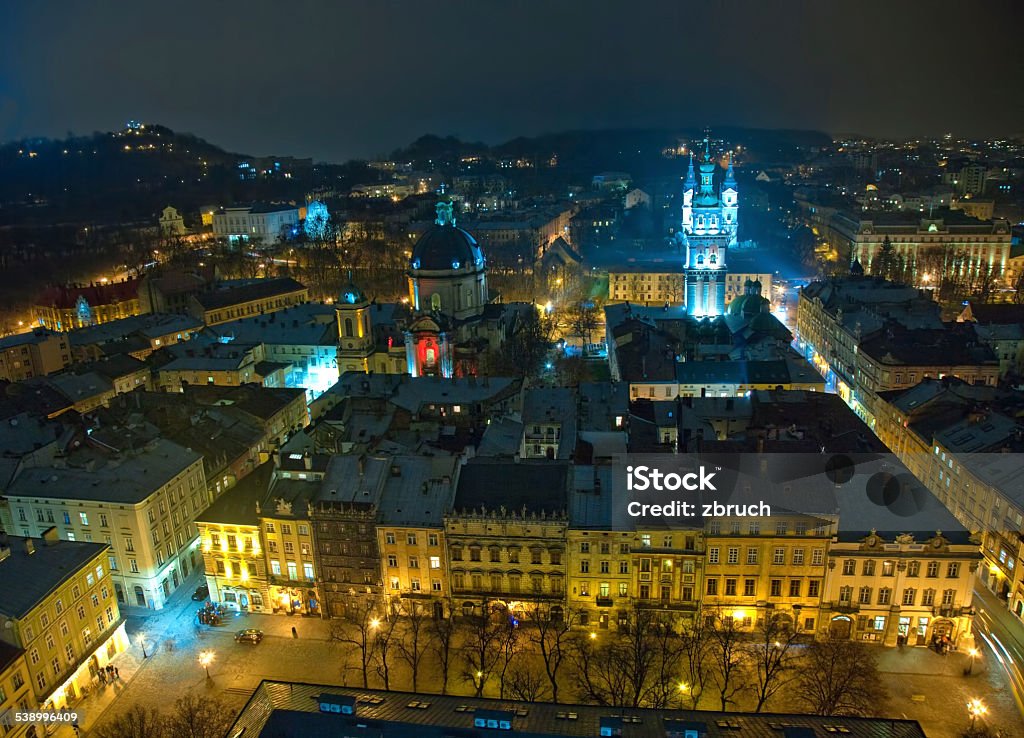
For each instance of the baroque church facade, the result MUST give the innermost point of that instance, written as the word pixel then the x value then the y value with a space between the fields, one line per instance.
pixel 451 321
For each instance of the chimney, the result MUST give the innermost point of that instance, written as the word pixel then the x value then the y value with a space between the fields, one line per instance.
pixel 307 460
pixel 51 536
pixel 30 546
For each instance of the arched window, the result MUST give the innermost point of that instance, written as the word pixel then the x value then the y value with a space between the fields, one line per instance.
pixel 435 302
pixel 348 326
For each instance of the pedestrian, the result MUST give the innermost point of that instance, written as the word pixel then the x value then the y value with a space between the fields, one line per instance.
pixel 103 676
pixel 295 633
pixel 117 673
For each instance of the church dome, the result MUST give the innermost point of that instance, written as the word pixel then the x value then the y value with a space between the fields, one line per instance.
pixel 445 247
pixel 750 303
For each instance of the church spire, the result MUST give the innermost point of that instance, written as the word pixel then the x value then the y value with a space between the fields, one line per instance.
pixel 691 178
pixel 730 177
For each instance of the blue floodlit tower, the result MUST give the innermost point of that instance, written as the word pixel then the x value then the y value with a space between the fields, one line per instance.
pixel 709 228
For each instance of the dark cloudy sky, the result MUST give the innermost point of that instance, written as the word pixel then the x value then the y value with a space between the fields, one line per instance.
pixel 338 78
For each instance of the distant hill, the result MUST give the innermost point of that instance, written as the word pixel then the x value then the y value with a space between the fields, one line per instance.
pixel 123 175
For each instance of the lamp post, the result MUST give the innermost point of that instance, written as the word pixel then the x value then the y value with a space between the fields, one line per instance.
pixel 205 659
pixel 976 708
pixel 142 642
pixel 973 653
pixel 684 689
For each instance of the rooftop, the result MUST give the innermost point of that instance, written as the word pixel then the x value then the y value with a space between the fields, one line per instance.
pixel 418 490
pixel 149 325
pixel 226 295
pixel 27 578
pixel 534 485
pixel 238 505
pixel 36 335
pixel 279 708
pixel 127 478
pixel 309 324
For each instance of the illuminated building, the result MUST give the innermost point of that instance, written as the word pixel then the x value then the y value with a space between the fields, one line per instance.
pixel 67 308
pixel 15 693
pixel 506 537
pixel 255 224
pixel 709 228
pixel 454 320
pixel 140 499
pixel 410 531
pixel 60 608
pixel 34 354
pixel 355 337
pixel 228 301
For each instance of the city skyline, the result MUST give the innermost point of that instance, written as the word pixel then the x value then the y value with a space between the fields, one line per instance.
pixel 348 81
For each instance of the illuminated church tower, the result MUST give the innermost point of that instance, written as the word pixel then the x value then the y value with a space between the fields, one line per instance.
pixel 708 230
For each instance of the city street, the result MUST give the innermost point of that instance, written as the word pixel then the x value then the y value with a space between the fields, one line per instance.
pixel 1000 640
pixel 920 684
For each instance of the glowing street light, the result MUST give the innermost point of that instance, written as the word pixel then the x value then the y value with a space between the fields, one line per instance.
pixel 375 623
pixel 973 653
pixel 205 659
pixel 593 636
pixel 976 708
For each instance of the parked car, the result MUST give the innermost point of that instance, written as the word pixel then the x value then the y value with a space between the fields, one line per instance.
pixel 201 593
pixel 252 635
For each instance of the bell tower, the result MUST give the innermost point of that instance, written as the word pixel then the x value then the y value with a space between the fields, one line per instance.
pixel 355 332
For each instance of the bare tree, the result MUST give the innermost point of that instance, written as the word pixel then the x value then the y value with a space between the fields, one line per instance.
pixel 838 676
pixel 198 717
pixel 772 656
pixel 415 638
pixel 696 662
pixel 597 673
pixel 726 648
pixel 510 643
pixel 443 630
pixel 552 637
pixel 137 722
pixel 525 684
pixel 385 643
pixel 668 646
pixel 583 319
pixel 483 647
pixel 358 629
pixel 637 653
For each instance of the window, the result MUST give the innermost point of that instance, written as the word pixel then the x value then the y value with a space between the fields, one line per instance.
pixel 410 539
pixel 414 562
pixel 584 566
pixel 749 587
pixel 605 567
pixel 754 528
pixel 286 529
pixel 845 594
pixel 914 569
pixel 270 529
pixel 888 568
pixel 435 585
pixel 933 569
pixel 84 517
pixel 817 556
pixel 535 556
pixel 432 539
pixel 623 567
pixel 798 557
pixel 775 588
pixel 884 596
pixel 712 586
pixel 293 570
pixel 928 598
pixel 879 622
pixel 275 567
pixel 730 587
pixel 734 555
pixel 435 562
pixel 779 556
pixel 307 571
pixel 864 596
pixel 623 589
pixel 953 570
pixel 781 528
pixel 392 560
pixel 869 568
pixel 909 595
pixel 751 555
pixel 947 596
pixel 584 547
pixel 713 555
pixel 303 530
pixel 813 588
pixel 395 583
pixel 794 587
pixel 389 538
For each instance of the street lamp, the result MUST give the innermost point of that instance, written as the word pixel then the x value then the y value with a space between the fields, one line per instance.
pixel 684 689
pixel 205 659
pixel 976 708
pixel 973 653
pixel 142 642
pixel 375 623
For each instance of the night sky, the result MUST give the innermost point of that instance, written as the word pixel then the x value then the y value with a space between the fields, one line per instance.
pixel 344 79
